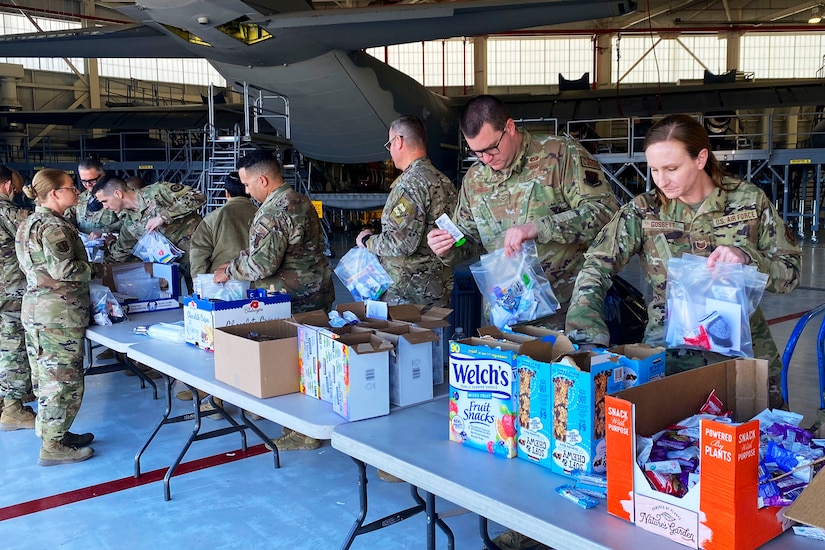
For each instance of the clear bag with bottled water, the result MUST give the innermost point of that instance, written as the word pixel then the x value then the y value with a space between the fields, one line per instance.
pixel 514 286
pixel 362 274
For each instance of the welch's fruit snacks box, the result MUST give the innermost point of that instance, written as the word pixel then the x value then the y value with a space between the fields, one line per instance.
pixel 481 395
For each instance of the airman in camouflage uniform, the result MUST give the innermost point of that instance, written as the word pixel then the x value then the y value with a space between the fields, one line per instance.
pixel 224 232
pixel 417 197
pixel 55 313
pixel 286 253
pixel 170 208
pixel 734 220
pixel 524 187
pixel 286 244
pixel 15 373
pixel 88 221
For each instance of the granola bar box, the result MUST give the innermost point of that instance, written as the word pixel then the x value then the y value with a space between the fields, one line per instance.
pixel 577 385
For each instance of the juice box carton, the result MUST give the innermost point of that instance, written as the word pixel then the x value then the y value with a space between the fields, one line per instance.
pixel 481 395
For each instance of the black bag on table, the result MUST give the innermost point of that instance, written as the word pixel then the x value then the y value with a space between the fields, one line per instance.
pixel 625 313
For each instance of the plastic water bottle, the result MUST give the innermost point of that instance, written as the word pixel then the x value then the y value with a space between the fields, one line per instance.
pixel 458 334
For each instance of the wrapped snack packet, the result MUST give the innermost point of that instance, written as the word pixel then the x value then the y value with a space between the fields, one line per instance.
pixel 573 495
pixel 713 405
pixel 664 467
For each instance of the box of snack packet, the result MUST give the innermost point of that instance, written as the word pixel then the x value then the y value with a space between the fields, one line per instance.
pixel 578 383
pixel 637 363
pixel 720 512
pixel 481 395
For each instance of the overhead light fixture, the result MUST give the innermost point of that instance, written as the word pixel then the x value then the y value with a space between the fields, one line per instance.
pixel 816 15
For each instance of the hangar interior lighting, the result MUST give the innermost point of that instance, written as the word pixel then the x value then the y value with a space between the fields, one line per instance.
pixel 816 15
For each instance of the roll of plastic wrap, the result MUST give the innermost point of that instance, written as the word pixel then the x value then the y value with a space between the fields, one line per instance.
pixel 167 331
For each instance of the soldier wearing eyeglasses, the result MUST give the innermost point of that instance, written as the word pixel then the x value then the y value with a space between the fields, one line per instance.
pixel 525 187
pixel 89 216
pixel 417 197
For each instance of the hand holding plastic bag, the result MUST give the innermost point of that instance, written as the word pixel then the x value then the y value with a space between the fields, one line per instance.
pixel 514 286
pixel 153 246
pixel 362 274
pixel 709 309
pixel 105 308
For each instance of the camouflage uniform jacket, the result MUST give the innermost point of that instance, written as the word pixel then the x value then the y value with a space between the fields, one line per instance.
pixel 221 235
pixel 12 279
pixel 103 220
pixel 417 197
pixel 286 251
pixel 554 183
pixel 177 204
pixel 53 258
pixel 739 215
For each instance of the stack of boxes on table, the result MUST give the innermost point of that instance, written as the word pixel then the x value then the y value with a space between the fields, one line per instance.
pixel 263 349
pixel 530 394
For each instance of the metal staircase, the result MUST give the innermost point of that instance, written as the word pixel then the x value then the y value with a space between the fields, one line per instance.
pixel 222 147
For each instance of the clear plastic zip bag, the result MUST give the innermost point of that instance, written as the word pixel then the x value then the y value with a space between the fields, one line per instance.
pixel 362 274
pixel 153 246
pixel 709 309
pixel 514 286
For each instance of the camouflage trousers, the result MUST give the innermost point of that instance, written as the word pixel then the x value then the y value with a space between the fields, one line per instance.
pixel 764 347
pixel 15 373
pixel 56 359
pixel 422 289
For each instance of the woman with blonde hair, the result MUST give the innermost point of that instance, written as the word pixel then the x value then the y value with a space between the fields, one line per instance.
pixel 55 314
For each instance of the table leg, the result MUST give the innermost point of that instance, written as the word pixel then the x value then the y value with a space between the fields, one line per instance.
pixel 163 421
pixel 485 536
pixel 422 505
pixel 257 431
pixel 195 435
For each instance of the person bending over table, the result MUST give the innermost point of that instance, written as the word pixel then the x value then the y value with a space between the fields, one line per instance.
pixel 220 237
pixel 286 252
pixel 696 209
pixel 525 187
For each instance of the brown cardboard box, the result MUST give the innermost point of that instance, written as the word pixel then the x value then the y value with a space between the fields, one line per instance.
pixel 720 512
pixel 261 368
pixel 809 507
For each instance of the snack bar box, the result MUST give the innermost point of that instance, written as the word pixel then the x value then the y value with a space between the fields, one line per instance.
pixel 720 512
pixel 169 284
pixel 434 319
pixel 411 363
pixel 636 363
pixel 561 412
pixel 202 317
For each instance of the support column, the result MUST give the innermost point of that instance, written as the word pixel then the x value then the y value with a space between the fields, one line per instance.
pixel 88 8
pixel 603 55
pixel 733 51
pixel 479 65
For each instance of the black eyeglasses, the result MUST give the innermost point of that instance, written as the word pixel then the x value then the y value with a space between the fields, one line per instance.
pixel 388 145
pixel 92 180
pixel 494 150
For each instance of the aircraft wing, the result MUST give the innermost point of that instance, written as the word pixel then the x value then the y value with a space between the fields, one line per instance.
pixel 298 32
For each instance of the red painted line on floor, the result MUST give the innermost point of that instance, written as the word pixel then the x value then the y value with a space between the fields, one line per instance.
pixel 85 493
pixel 784 318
